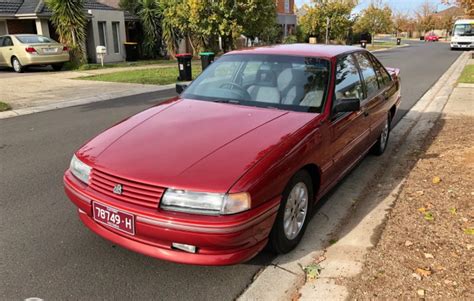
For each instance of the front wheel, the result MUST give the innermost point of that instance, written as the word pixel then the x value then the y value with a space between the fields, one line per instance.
pixel 293 214
pixel 381 144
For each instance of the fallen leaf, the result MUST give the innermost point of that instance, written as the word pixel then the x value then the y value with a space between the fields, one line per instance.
pixel 428 256
pixel 422 209
pixel 420 192
pixel 416 276
pixel 421 292
pixel 428 216
pixel 453 211
pixel 469 231
pixel 423 272
pixel 436 180
pixel 408 243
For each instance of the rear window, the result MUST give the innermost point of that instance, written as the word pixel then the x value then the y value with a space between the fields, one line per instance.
pixel 34 39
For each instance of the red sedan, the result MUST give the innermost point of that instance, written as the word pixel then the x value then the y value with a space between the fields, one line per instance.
pixel 240 158
pixel 431 37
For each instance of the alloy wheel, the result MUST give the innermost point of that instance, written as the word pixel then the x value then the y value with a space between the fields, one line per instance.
pixel 295 210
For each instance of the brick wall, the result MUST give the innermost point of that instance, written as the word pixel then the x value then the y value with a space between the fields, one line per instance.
pixel 280 4
pixel 21 26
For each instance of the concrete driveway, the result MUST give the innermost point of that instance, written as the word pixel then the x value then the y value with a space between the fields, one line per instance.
pixel 41 86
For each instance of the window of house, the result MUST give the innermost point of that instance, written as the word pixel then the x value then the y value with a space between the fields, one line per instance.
pixel 348 84
pixel 368 72
pixel 102 34
pixel 287 6
pixel 116 35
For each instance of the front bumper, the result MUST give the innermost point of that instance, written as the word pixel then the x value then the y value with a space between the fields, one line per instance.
pixel 462 46
pixel 220 240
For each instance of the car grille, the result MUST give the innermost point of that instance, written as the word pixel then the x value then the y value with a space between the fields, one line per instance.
pixel 132 192
pixel 464 43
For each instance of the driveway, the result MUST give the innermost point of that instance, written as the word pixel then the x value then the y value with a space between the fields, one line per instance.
pixel 41 86
pixel 46 252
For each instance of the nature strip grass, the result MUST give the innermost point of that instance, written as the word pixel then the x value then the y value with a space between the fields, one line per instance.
pixel 467 75
pixel 4 107
pixel 152 76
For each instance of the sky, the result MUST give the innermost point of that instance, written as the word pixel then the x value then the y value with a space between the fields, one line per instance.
pixel 406 6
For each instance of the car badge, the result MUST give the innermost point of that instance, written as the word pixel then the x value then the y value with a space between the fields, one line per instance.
pixel 118 189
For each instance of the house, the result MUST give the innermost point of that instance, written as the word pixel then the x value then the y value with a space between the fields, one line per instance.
pixel 286 16
pixel 105 27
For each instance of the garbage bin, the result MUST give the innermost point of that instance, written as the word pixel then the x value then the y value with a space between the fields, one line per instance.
pixel 422 38
pixel 131 51
pixel 363 43
pixel 207 58
pixel 399 41
pixel 184 65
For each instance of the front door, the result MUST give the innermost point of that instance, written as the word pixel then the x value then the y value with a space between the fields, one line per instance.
pixel 7 50
pixel 349 131
pixel 2 57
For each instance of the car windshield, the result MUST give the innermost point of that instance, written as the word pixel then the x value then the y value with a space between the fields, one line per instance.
pixel 463 30
pixel 278 81
pixel 34 39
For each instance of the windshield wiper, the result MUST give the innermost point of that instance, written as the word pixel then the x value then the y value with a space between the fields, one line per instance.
pixel 235 101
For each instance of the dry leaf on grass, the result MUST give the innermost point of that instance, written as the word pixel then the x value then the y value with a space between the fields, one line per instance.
pixel 423 272
pixel 436 180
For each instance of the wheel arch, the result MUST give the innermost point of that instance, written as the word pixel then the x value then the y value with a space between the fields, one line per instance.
pixel 315 173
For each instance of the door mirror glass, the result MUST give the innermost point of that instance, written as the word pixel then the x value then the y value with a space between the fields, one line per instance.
pixel 180 88
pixel 347 105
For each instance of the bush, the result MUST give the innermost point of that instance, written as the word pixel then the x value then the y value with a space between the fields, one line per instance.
pixel 291 39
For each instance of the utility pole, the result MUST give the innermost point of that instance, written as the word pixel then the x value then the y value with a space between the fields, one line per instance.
pixel 327 30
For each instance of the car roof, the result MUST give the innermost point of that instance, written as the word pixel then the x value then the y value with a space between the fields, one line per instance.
pixel 324 51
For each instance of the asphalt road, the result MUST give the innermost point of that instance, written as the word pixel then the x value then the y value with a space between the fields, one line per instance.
pixel 46 252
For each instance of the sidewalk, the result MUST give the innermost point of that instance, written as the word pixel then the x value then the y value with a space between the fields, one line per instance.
pixel 39 91
pixel 350 221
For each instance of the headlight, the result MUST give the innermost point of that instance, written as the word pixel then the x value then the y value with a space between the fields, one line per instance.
pixel 205 203
pixel 80 169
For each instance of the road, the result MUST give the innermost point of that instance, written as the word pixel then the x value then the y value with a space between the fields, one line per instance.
pixel 46 252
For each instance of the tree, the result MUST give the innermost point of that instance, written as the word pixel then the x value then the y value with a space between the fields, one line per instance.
pixel 424 17
pixel 375 19
pixel 256 16
pixel 69 18
pixel 468 6
pixel 402 22
pixel 314 21
pixel 150 14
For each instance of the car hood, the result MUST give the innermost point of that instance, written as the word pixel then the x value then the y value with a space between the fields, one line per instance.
pixel 191 144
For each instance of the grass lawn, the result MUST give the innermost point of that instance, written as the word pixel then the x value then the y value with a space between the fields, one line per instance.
pixel 124 64
pixel 4 107
pixel 381 45
pixel 467 75
pixel 152 76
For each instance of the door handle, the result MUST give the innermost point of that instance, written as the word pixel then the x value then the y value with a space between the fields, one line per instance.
pixel 10 49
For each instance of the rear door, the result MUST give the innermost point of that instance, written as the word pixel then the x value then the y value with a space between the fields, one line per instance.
pixel 349 131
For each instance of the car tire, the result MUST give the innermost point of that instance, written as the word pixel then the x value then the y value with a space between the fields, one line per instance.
pixel 17 66
pixel 293 215
pixel 381 144
pixel 57 67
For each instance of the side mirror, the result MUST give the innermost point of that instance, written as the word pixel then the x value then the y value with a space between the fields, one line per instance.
pixel 180 88
pixel 347 105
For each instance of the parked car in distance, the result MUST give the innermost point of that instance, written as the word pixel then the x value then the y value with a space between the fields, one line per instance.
pixel 431 37
pixel 240 158
pixel 23 50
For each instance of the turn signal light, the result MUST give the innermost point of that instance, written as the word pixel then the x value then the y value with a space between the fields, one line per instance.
pixel 30 50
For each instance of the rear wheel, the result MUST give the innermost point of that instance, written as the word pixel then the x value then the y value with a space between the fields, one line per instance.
pixel 57 67
pixel 293 215
pixel 381 144
pixel 17 66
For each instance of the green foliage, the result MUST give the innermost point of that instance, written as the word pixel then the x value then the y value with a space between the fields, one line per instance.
pixel 150 14
pixel 291 39
pixel 375 19
pixel 314 22
pixel 68 16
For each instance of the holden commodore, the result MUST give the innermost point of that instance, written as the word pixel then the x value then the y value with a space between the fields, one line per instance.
pixel 238 160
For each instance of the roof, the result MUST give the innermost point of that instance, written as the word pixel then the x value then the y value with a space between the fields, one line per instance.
pixel 326 51
pixel 39 7
pixel 450 11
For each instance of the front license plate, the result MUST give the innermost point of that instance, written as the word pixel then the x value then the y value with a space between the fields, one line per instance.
pixel 114 218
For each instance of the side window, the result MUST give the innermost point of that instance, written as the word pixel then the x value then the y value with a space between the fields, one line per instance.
pixel 368 73
pixel 7 42
pixel 1 41
pixel 348 84
pixel 382 74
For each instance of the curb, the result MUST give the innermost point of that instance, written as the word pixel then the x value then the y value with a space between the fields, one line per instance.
pixel 282 279
pixel 82 101
pixel 386 49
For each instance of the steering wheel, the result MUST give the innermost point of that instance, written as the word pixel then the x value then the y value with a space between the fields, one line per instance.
pixel 238 91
